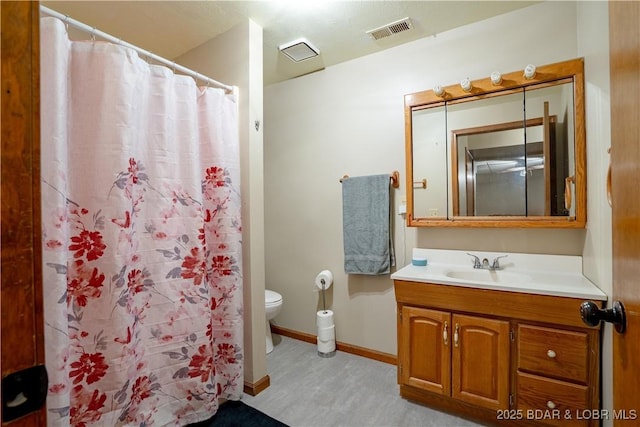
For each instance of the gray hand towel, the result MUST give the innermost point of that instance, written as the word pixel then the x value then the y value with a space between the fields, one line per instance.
pixel 366 225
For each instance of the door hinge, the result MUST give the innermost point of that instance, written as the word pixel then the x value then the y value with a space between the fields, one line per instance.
pixel 512 335
pixel 510 400
pixel 400 368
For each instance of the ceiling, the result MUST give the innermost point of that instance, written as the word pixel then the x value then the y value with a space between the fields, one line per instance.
pixel 337 28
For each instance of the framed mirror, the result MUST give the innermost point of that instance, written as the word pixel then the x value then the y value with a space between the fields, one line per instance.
pixel 499 155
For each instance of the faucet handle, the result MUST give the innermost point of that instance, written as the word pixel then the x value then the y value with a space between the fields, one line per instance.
pixel 476 261
pixel 496 263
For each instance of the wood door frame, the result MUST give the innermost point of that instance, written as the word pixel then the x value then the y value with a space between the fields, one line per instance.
pixel 624 44
pixel 21 289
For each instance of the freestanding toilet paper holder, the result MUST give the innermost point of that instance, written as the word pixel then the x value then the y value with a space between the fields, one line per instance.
pixel 326 332
pixel 324 303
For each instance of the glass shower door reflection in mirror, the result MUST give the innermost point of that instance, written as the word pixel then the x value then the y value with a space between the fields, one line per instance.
pixel 429 148
pixel 495 179
pixel 488 159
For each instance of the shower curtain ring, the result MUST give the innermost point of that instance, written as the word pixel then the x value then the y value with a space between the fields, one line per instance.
pixel 93 34
pixel 66 23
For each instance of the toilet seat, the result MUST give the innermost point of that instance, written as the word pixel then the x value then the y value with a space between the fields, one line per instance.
pixel 272 298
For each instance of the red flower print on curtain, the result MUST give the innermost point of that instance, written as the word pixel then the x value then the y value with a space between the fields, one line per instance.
pixel 141 239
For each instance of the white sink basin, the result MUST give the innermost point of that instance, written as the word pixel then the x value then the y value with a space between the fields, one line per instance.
pixel 489 276
pixel 556 275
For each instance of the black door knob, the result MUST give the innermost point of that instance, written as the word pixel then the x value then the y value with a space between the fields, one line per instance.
pixel 592 315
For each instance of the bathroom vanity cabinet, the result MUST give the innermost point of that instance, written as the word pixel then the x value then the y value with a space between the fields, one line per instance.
pixel 455 355
pixel 504 358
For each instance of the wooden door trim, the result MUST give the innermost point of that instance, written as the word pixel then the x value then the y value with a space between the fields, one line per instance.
pixel 624 43
pixel 21 288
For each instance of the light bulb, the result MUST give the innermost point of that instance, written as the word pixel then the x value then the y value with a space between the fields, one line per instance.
pixel 529 71
pixel 438 90
pixel 496 78
pixel 466 84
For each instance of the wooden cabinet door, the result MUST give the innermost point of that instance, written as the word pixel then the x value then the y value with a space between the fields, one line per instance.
pixel 425 356
pixel 480 361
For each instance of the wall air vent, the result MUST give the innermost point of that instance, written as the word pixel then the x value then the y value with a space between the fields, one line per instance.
pixel 391 29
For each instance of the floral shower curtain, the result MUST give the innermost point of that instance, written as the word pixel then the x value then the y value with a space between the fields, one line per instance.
pixel 142 238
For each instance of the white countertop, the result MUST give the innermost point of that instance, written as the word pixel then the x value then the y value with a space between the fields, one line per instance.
pixel 556 275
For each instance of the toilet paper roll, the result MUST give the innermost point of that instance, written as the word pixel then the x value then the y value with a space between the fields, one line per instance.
pixel 324 318
pixel 327 334
pixel 326 346
pixel 326 277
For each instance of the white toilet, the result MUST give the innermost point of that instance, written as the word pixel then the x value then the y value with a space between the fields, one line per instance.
pixel 272 305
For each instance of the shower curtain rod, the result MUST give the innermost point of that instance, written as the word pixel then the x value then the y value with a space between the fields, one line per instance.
pixel 171 64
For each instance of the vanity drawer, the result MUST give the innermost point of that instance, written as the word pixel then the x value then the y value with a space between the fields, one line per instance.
pixel 550 401
pixel 554 352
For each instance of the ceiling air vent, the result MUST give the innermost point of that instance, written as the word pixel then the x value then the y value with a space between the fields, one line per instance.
pixel 390 29
pixel 299 50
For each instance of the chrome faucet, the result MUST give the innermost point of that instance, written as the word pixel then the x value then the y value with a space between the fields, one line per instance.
pixel 476 261
pixel 496 263
pixel 484 264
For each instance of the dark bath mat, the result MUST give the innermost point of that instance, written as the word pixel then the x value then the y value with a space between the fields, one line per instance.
pixel 239 414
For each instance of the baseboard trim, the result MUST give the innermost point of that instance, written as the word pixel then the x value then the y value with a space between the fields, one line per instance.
pixel 253 389
pixel 340 346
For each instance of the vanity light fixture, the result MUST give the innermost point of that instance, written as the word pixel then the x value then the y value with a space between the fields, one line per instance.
pixel 438 90
pixel 466 84
pixel 496 78
pixel 529 71
pixel 299 50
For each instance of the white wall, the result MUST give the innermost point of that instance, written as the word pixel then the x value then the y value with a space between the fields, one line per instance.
pixel 593 45
pixel 348 119
pixel 235 58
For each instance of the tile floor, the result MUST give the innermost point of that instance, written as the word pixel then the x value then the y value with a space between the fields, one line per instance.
pixel 345 390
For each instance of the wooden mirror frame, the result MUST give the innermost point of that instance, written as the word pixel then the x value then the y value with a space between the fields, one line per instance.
pixel 572 69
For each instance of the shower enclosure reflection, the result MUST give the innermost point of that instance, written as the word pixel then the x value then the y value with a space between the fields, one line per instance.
pixel 495 172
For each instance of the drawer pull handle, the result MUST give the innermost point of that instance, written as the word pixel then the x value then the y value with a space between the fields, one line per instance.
pixel 456 336
pixel 551 354
pixel 445 334
pixel 551 405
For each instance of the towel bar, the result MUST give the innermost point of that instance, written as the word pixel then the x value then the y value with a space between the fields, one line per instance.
pixel 395 179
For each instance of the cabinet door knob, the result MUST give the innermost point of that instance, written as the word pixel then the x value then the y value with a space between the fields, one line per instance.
pixel 551 405
pixel 551 354
pixel 445 333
